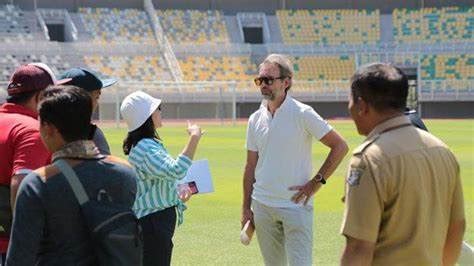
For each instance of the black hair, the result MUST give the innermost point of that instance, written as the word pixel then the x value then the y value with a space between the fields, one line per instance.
pixel 146 130
pixel 21 98
pixel 69 109
pixel 382 86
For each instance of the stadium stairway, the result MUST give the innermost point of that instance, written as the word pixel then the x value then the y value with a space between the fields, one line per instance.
pixel 386 28
pixel 82 34
pixel 233 29
pixel 274 28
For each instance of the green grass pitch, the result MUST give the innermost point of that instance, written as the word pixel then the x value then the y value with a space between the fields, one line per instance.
pixel 210 233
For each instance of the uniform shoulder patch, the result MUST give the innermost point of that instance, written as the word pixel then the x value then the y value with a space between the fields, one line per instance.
pixel 357 166
pixel 354 176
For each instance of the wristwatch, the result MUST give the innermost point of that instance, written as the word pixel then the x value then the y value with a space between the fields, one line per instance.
pixel 319 178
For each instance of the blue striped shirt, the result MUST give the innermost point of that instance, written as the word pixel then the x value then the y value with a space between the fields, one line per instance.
pixel 157 174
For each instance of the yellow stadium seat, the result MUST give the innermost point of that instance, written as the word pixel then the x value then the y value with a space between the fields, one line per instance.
pixel 116 25
pixel 193 26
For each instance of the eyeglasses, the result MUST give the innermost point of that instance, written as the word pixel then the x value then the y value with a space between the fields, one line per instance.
pixel 267 80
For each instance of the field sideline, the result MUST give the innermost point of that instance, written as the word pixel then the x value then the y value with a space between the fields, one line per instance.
pixel 210 233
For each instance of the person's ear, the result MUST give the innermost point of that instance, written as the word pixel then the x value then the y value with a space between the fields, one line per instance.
pixel 47 129
pixel 38 97
pixel 52 130
pixel 362 107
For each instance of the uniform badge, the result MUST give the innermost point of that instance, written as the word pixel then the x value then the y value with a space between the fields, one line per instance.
pixel 354 176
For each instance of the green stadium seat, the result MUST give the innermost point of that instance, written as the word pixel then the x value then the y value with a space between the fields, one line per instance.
pixel 433 25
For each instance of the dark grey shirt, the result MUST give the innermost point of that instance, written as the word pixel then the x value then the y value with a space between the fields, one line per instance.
pixel 48 228
pixel 100 141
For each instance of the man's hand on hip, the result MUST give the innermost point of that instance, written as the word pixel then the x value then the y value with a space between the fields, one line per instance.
pixel 305 192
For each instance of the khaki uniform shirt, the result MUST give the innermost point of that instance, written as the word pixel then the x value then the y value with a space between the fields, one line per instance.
pixel 402 191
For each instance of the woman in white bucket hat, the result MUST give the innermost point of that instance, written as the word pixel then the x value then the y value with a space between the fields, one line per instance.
pixel 157 204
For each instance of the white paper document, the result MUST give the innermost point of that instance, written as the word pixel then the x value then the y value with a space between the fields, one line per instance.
pixel 199 178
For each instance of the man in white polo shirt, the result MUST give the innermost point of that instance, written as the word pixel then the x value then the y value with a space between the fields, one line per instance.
pixel 279 182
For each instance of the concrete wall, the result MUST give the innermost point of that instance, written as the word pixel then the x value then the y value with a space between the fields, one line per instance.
pixel 327 110
pixel 441 3
pixel 183 4
pixel 197 110
pixel 232 6
pixel 178 111
pixel 339 109
pixel 229 7
pixel 447 109
pixel 244 110
pixel 269 6
pixel 73 5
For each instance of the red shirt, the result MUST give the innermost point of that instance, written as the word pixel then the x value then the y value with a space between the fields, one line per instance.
pixel 21 147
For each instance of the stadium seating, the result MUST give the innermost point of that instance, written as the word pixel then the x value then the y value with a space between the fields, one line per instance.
pixel 9 62
pixel 117 25
pixel 447 67
pixel 398 59
pixel 16 25
pixel 329 27
pixel 221 68
pixel 319 27
pixel 131 68
pixel 408 59
pixel 193 26
pixel 340 67
pixel 433 25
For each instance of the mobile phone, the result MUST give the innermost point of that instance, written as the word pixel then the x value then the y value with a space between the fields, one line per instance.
pixel 192 186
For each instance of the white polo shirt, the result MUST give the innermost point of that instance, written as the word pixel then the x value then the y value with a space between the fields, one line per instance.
pixel 283 143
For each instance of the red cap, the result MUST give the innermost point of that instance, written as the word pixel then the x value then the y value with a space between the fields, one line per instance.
pixel 32 77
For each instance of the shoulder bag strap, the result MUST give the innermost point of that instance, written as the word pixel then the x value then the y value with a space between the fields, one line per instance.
pixel 73 181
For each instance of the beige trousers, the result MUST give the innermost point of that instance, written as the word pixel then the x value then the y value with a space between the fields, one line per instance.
pixel 285 235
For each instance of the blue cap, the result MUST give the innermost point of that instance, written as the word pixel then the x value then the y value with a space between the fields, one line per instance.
pixel 86 79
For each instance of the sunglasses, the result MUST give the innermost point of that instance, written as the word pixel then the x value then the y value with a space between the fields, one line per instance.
pixel 159 108
pixel 267 80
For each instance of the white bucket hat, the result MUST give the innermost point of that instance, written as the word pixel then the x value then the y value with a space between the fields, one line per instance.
pixel 137 107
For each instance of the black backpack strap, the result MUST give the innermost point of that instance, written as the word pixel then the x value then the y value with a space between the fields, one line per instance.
pixel 73 181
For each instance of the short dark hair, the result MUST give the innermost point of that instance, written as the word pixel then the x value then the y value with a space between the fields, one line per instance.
pixel 146 130
pixel 382 86
pixel 21 98
pixel 69 109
